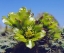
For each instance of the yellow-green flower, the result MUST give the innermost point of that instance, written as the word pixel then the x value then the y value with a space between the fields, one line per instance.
pixel 25 28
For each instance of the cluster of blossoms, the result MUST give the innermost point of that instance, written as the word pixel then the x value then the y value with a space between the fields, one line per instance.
pixel 27 29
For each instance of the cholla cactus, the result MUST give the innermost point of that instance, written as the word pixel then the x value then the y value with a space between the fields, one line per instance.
pixel 29 30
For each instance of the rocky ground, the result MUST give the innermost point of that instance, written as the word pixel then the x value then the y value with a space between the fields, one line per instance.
pixel 6 41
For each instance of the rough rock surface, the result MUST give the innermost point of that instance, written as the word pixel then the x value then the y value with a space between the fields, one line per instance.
pixel 6 42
